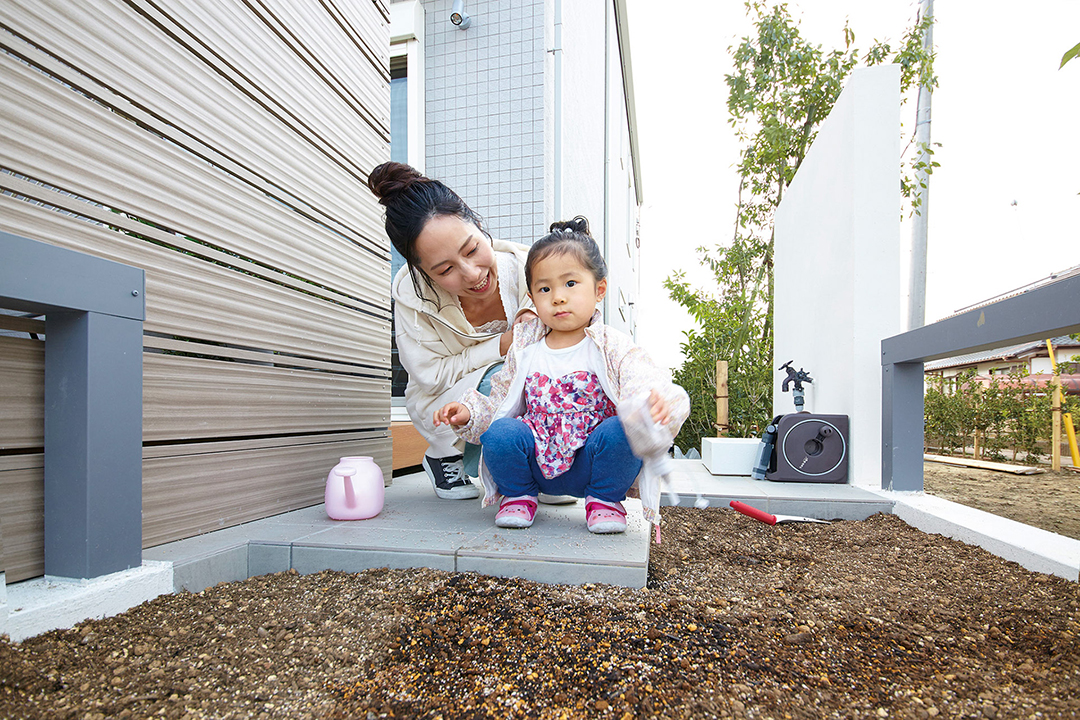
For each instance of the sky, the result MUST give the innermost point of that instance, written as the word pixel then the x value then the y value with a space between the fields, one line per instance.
pixel 1004 205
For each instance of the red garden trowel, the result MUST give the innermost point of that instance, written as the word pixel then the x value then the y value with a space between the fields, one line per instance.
pixel 770 519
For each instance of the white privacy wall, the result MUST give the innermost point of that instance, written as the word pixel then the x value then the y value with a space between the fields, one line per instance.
pixel 838 263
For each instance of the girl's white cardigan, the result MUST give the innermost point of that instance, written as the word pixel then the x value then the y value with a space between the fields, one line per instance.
pixel 628 372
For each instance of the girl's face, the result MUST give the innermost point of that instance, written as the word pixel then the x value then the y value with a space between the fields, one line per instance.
pixel 565 293
pixel 458 258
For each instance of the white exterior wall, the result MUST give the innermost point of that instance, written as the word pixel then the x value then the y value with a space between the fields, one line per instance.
pixel 583 112
pixel 986 367
pixel 1033 365
pixel 597 177
pixel 622 211
pixel 1044 365
pixel 838 263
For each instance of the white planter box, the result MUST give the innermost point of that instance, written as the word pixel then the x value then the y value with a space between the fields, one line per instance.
pixel 729 456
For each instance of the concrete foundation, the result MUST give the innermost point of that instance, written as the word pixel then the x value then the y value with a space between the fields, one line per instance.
pixel 43 604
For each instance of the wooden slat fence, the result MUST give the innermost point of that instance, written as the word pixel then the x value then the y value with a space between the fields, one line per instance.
pixel 222 147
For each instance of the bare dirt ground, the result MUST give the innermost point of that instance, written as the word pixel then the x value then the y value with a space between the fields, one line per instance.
pixel 869 619
pixel 1050 500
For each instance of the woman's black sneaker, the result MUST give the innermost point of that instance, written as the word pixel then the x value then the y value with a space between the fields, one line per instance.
pixel 449 479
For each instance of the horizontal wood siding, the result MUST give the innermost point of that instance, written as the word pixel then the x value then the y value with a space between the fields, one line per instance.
pixel 22 395
pixel 189 296
pixel 185 398
pixel 191 493
pixel 22 515
pixel 222 146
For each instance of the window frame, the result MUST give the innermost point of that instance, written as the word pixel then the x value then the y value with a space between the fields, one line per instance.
pixel 407 42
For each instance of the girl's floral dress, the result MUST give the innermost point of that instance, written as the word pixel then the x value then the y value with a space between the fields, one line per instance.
pixel 561 414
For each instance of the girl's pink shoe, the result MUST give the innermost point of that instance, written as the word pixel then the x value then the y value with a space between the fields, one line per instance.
pixel 604 517
pixel 516 512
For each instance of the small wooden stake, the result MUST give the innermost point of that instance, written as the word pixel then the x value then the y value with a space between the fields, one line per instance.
pixel 721 398
pixel 1055 433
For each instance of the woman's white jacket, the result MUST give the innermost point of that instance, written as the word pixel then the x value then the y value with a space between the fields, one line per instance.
pixel 442 353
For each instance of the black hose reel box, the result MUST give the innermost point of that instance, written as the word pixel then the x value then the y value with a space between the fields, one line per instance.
pixel 811 448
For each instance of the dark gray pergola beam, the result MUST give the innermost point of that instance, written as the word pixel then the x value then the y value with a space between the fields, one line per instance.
pixel 38 277
pixel 94 312
pixel 1038 314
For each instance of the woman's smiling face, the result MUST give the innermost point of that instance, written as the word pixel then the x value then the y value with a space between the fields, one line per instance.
pixel 458 257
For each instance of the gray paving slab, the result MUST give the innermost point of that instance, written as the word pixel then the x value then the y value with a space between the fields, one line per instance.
pixel 824 501
pixel 205 545
pixel 826 509
pixel 314 515
pixel 558 572
pixel 559 534
pixel 308 559
pixel 387 539
pixel 195 575
pixel 266 558
pixel 417 529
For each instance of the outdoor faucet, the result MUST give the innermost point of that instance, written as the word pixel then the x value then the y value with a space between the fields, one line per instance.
pixel 798 377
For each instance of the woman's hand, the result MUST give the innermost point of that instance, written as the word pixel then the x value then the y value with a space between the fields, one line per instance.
pixel 508 337
pixel 659 408
pixel 523 316
pixel 454 414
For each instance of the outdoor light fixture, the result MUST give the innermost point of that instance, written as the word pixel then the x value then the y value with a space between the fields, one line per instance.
pixel 458 16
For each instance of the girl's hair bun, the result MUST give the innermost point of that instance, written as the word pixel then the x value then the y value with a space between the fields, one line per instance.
pixel 393 178
pixel 570 237
pixel 579 224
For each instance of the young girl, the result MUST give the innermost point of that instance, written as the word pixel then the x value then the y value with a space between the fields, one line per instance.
pixel 549 424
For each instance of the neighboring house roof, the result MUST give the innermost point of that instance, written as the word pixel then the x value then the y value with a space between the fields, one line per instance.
pixel 1013 352
pixel 1070 383
pixel 1048 280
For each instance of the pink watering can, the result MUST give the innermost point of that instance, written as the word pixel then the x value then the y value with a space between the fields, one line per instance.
pixel 354 489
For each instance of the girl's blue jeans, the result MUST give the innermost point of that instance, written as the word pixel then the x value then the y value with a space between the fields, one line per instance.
pixel 604 467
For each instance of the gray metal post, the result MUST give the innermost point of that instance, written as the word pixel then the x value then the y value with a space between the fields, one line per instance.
pixel 94 311
pixel 93 444
pixel 1036 314
pixel 902 427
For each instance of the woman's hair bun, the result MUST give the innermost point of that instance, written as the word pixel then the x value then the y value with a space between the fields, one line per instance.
pixel 579 224
pixel 392 178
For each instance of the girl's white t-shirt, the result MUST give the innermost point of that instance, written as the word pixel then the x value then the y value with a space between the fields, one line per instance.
pixel 585 355
pixel 564 402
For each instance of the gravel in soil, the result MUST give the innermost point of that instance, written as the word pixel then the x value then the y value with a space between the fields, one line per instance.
pixel 855 619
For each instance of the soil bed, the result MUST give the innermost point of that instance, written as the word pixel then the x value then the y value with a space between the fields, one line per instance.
pixel 740 619
pixel 1049 500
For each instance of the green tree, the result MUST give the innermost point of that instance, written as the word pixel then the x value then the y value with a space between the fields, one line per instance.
pixel 1069 55
pixel 781 90
pixel 728 329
